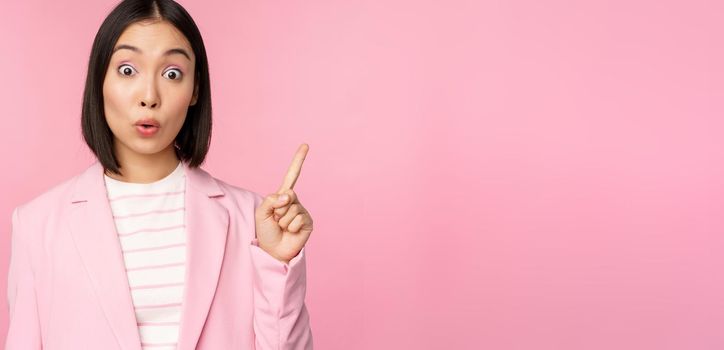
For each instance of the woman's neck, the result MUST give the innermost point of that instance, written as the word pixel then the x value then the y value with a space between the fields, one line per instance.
pixel 145 168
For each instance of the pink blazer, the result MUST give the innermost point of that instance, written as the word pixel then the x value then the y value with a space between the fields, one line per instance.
pixel 68 288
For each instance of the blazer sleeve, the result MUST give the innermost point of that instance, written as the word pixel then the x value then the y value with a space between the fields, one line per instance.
pixel 281 320
pixel 24 326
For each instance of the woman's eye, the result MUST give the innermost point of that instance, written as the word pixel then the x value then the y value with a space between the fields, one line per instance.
pixel 173 74
pixel 126 70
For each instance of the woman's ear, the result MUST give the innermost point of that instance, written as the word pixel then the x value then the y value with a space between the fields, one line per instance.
pixel 195 97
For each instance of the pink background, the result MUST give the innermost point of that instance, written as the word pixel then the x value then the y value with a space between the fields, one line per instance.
pixel 482 174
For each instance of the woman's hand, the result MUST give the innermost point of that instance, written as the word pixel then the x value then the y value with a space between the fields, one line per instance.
pixel 283 225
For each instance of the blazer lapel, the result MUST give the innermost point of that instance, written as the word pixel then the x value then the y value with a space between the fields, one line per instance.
pixel 94 234
pixel 207 224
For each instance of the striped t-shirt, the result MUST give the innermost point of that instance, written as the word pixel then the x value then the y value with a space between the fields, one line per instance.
pixel 149 220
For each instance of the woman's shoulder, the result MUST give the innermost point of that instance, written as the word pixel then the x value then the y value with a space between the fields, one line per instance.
pixel 238 193
pixel 51 197
pixel 215 185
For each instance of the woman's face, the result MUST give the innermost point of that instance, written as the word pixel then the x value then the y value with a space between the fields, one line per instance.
pixel 150 76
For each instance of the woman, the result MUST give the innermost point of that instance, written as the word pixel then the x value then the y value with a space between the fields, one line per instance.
pixel 145 250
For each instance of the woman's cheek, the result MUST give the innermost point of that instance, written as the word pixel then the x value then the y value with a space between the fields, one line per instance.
pixel 179 104
pixel 113 97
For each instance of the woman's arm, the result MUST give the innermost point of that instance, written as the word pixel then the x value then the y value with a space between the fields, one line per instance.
pixel 24 325
pixel 281 320
pixel 282 229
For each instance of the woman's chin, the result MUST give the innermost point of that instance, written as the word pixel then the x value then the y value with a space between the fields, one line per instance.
pixel 146 147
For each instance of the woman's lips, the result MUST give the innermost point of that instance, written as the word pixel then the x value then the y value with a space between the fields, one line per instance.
pixel 147 130
pixel 148 121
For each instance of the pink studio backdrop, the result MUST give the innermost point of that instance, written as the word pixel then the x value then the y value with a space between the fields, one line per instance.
pixel 482 174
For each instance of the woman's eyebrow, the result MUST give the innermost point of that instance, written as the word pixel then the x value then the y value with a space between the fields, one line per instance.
pixel 176 50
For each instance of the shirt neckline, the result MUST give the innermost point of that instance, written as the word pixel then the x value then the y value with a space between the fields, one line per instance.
pixel 174 176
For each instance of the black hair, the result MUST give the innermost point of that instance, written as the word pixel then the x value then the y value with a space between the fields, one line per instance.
pixel 193 140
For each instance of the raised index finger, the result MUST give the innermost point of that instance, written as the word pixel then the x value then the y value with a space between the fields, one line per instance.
pixel 295 168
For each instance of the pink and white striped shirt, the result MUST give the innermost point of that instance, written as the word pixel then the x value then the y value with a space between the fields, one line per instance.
pixel 149 220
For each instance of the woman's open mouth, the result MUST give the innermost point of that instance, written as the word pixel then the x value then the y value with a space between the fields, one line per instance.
pixel 147 129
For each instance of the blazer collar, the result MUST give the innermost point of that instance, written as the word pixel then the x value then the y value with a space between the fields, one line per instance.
pixel 90 181
pixel 94 234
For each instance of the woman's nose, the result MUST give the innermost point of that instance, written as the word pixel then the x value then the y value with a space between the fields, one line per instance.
pixel 149 94
pixel 145 103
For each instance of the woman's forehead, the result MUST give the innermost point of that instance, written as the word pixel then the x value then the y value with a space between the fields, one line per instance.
pixel 153 38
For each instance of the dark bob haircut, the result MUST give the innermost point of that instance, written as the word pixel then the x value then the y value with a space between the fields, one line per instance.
pixel 193 140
